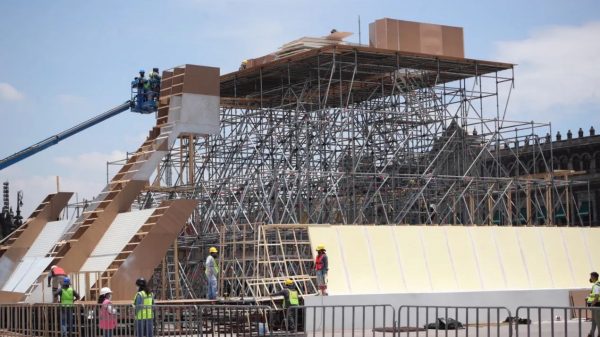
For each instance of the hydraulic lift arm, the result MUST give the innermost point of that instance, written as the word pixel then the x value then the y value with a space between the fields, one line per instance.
pixel 46 143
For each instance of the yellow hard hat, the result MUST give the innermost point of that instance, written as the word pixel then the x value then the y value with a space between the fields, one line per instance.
pixel 245 61
pixel 288 282
pixel 213 250
pixel 320 247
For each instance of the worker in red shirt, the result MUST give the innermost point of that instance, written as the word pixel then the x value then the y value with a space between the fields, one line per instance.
pixel 321 268
pixel 56 277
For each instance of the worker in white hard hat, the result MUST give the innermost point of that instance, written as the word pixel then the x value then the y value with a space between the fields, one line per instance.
pixel 107 318
pixel 56 277
pixel 212 273
pixel 321 268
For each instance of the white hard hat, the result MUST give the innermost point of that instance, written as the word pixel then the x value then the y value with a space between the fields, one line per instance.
pixel 105 291
pixel 52 267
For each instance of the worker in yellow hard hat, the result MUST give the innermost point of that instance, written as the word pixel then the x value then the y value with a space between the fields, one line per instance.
pixel 244 65
pixel 212 273
pixel 321 268
pixel 291 299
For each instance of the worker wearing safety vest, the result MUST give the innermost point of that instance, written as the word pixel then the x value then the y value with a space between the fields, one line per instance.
pixel 144 315
pixel 56 277
pixel 593 300
pixel 212 273
pixel 321 268
pixel 67 296
pixel 290 299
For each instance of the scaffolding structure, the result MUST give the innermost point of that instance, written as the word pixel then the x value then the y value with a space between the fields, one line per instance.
pixel 352 135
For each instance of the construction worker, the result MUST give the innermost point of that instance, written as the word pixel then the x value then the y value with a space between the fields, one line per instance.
pixel 290 300
pixel 154 86
pixel 212 272
pixel 244 65
pixel 144 315
pixel 107 319
pixel 321 268
pixel 593 300
pixel 55 279
pixel 67 297
pixel 140 84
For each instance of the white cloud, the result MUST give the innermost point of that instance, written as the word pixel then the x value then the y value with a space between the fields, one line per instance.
pixel 557 77
pixel 9 93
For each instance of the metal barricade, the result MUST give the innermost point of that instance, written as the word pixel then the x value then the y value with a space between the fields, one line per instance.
pixel 555 321
pixel 336 320
pixel 416 320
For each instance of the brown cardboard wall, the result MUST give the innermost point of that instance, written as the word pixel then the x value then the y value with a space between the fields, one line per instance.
pixel 201 80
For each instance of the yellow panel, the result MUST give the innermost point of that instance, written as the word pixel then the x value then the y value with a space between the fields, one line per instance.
pixel 535 258
pixel 578 255
pixel 438 259
pixel 510 255
pixel 488 260
pixel 592 237
pixel 387 262
pixel 356 254
pixel 408 239
pixel 337 280
pixel 465 263
pixel 557 257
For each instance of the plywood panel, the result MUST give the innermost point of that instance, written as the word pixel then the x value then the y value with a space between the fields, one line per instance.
pixel 578 255
pixel 535 258
pixel 438 259
pixel 390 276
pixel 359 266
pixel 465 263
pixel 557 257
pixel 337 282
pixel 511 258
pixel 487 258
pixel 414 264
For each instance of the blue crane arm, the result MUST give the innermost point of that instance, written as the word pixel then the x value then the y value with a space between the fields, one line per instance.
pixel 46 143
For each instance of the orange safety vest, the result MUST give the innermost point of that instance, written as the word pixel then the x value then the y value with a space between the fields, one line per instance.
pixel 58 271
pixel 319 262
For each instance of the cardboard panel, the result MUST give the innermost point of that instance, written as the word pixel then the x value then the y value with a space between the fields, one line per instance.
pixel 357 255
pixel 148 254
pixel 34 226
pixel 431 39
pixel 557 257
pixel 512 260
pixel 578 255
pixel 438 259
pixel 463 255
pixel 388 269
pixel 337 279
pixel 453 41
pixel 488 260
pixel 202 80
pixel 535 258
pixel 413 259
pixel 409 36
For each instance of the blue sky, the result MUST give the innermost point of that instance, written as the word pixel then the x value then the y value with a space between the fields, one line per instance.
pixel 62 62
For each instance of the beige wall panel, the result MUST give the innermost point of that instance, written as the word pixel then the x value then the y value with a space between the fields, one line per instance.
pixel 557 257
pixel 357 257
pixel 592 238
pixel 465 263
pixel 413 259
pixel 337 280
pixel 438 259
pixel 578 255
pixel 535 258
pixel 512 260
pixel 431 39
pixel 388 269
pixel 488 259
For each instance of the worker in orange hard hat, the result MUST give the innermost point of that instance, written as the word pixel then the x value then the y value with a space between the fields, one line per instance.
pixel 56 277
pixel 321 268
pixel 212 273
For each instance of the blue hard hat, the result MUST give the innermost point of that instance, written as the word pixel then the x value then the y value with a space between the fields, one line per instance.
pixel 66 280
pixel 142 71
